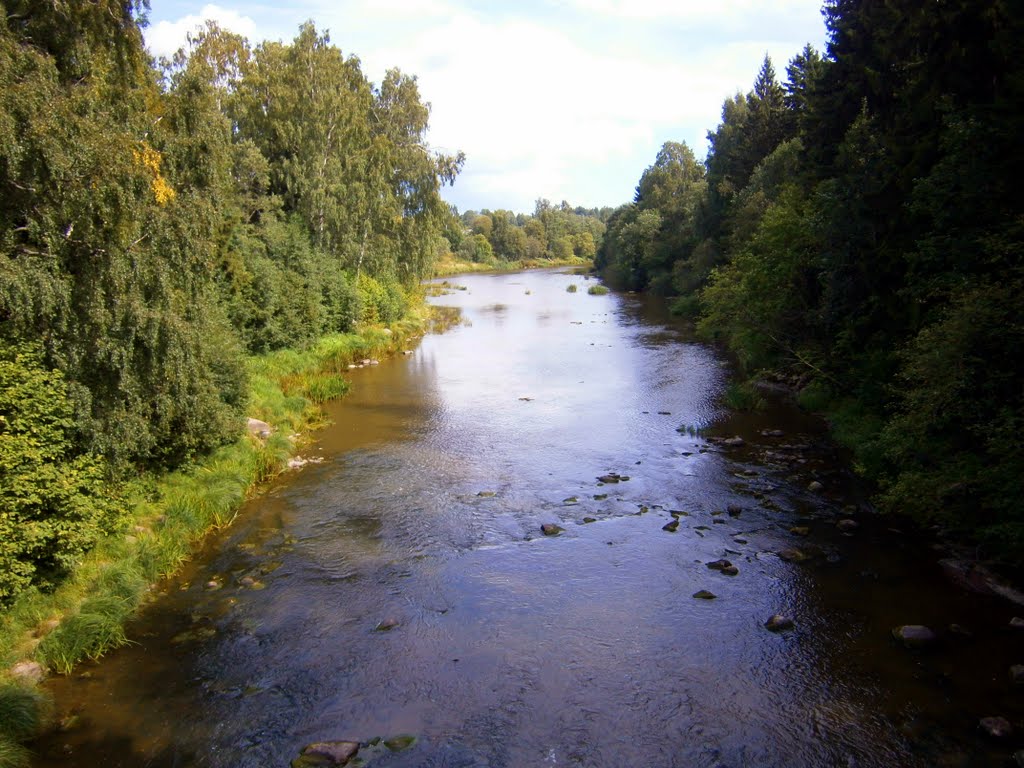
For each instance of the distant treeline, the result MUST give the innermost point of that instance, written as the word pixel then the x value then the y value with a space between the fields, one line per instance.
pixel 552 232
pixel 160 220
pixel 855 230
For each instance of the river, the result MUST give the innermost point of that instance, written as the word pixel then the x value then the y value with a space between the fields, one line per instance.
pixel 403 585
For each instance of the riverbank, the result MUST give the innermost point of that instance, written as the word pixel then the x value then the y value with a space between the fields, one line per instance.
pixel 169 514
pixel 446 267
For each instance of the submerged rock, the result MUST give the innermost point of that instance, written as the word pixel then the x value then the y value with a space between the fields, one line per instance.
pixel 915 636
pixel 611 477
pixel 589 519
pixel 734 442
pixel 327 754
pixel 1017 674
pixel 550 529
pixel 995 727
pixel 486 494
pixel 793 555
pixel 386 625
pixel 730 570
pixel 800 530
pixel 777 623
pixel 718 565
pixel 400 743
pixel 815 487
pixel 847 525
pixel 671 527
pixel 705 595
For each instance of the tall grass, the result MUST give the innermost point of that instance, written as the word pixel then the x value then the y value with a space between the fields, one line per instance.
pixel 23 713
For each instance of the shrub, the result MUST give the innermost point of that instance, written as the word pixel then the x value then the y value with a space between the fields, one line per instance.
pixel 53 504
pixel 572 288
pixel 597 290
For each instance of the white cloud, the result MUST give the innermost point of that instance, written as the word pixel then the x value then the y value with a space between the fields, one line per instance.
pixel 166 37
pixel 540 101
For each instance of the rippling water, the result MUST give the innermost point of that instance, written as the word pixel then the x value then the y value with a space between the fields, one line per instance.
pixel 516 649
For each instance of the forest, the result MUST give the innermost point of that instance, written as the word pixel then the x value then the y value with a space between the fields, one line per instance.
pixel 854 234
pixel 161 223
pixel 557 233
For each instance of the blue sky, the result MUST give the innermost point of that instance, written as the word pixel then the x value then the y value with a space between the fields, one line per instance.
pixel 562 99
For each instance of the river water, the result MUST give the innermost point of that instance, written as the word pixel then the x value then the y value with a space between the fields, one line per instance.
pixel 403 585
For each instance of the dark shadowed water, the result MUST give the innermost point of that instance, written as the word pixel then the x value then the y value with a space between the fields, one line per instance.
pixel 583 649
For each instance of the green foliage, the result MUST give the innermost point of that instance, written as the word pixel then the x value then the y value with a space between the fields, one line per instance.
pixel 859 234
pixel 382 300
pixel 97 628
pixel 55 503
pixel 743 396
pixel 572 288
pixel 558 233
pixel 597 290
pixel 23 712
pixel 13 755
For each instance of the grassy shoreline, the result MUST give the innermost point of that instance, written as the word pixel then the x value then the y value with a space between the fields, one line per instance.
pixel 169 515
pixel 450 266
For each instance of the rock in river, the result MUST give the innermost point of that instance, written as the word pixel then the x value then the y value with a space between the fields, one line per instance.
pixel 1017 674
pixel 995 727
pixel 671 527
pixel 846 525
pixel 550 529
pixel 719 565
pixel 704 595
pixel 778 622
pixel 914 636
pixel 327 754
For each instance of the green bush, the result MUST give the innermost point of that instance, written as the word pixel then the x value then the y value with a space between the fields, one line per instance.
pixel 597 290
pixel 572 288
pixel 382 300
pixel 54 504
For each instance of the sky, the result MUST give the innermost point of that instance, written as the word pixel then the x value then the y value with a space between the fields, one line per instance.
pixel 557 99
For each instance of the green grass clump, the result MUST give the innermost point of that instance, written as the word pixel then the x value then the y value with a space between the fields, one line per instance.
pixel 597 290
pixel 743 396
pixel 97 628
pixel 23 712
pixel 572 288
pixel 13 755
